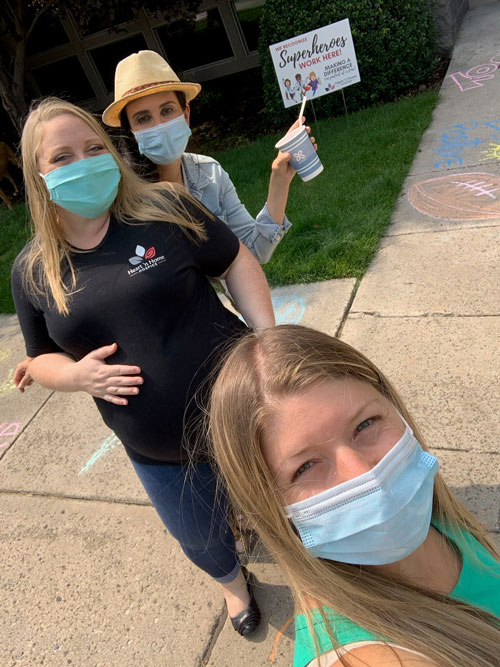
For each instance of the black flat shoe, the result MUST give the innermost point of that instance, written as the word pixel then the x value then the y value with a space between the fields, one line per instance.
pixel 247 620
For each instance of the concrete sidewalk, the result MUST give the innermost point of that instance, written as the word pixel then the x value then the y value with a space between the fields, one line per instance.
pixel 428 309
pixel 91 578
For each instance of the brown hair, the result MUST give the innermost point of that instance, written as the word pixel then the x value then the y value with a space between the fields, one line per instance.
pixel 127 144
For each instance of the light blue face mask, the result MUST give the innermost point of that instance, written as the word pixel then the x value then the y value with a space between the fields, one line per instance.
pixel 164 143
pixel 376 518
pixel 87 187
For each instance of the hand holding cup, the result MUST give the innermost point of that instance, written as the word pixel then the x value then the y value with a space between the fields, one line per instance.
pixel 302 149
pixel 281 165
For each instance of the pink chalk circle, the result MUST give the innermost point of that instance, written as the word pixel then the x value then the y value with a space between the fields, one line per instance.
pixel 481 70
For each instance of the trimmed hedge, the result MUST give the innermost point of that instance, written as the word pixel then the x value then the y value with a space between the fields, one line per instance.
pixel 395 43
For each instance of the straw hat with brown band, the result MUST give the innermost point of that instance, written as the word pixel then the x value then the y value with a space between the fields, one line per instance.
pixel 142 74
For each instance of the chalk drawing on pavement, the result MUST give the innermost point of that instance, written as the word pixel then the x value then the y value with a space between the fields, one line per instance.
pixel 4 354
pixel 288 309
pixel 8 384
pixel 455 140
pixel 108 445
pixel 492 153
pixel 477 75
pixel 8 430
pixel 458 197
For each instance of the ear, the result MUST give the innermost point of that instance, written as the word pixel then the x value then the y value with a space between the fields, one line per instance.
pixel 187 113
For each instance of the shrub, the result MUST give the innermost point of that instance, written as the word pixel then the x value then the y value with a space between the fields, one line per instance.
pixel 394 42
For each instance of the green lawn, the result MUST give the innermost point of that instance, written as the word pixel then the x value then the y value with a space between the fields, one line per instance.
pixel 14 232
pixel 338 217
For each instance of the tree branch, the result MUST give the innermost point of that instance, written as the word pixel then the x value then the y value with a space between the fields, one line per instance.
pixel 49 4
pixel 17 17
pixel 10 11
pixel 8 100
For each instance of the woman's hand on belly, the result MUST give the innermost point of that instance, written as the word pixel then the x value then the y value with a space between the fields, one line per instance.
pixel 111 382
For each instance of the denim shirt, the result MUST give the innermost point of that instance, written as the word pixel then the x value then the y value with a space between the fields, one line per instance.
pixel 207 181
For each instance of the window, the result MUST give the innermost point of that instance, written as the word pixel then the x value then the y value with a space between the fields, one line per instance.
pixel 194 44
pixel 47 34
pixel 249 13
pixel 64 78
pixel 107 57
pixel 122 14
pixel 220 41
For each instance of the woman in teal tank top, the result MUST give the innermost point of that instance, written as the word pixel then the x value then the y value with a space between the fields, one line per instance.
pixel 319 452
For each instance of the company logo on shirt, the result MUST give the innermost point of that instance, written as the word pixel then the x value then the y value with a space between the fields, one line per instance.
pixel 144 260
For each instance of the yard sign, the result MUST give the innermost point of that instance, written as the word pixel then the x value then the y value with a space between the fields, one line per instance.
pixel 315 63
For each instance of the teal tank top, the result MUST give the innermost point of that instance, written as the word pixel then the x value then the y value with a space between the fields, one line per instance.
pixel 478 585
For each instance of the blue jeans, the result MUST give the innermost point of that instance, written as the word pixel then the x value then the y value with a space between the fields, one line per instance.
pixel 195 511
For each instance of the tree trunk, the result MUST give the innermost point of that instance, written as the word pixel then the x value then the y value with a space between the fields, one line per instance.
pixel 12 78
pixel 15 107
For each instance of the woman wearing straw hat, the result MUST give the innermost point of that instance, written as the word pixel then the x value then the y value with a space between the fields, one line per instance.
pixel 153 103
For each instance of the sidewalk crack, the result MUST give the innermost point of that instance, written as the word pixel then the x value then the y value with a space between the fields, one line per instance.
pixel 465 451
pixel 437 314
pixel 347 309
pixel 214 636
pixel 18 435
pixel 439 231
pixel 75 496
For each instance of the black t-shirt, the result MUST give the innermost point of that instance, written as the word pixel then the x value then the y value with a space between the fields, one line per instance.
pixel 144 287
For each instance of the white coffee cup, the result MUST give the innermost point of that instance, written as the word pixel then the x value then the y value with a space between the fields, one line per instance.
pixel 304 158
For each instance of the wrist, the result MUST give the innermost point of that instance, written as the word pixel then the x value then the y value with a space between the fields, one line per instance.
pixel 71 377
pixel 281 177
pixel 54 371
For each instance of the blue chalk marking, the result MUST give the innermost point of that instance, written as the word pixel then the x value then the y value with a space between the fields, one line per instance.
pixel 288 309
pixel 457 139
pixel 110 443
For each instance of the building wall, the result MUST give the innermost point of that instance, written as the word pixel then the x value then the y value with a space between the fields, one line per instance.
pixel 449 15
pixel 81 66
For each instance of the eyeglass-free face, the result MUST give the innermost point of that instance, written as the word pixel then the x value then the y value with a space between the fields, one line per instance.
pixel 327 435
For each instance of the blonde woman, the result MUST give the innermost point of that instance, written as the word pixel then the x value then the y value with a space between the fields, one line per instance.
pixel 318 451
pixel 113 299
pixel 153 104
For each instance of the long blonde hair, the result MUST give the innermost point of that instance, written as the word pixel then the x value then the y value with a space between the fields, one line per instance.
pixel 136 201
pixel 258 374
